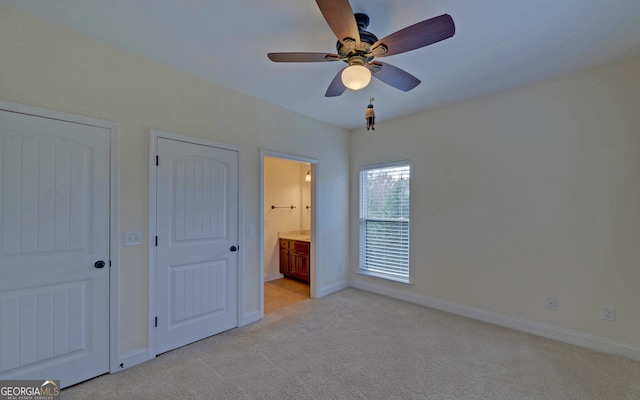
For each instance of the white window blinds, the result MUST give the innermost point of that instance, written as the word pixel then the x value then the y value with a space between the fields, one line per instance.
pixel 384 220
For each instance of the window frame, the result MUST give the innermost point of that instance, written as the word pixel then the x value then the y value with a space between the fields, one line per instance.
pixel 363 219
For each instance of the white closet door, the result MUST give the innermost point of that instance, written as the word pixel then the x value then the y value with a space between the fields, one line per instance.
pixel 54 233
pixel 197 228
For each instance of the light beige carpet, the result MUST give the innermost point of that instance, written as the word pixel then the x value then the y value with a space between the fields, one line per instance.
pixel 358 345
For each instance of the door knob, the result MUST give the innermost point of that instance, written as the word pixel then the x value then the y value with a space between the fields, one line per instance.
pixel 233 248
pixel 99 264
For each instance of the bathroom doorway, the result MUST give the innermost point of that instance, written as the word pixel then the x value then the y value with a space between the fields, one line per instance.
pixel 288 188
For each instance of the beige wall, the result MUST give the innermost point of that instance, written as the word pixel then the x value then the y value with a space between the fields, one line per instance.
pixel 45 66
pixel 523 195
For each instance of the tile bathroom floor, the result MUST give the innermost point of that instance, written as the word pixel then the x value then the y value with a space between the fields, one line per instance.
pixel 283 292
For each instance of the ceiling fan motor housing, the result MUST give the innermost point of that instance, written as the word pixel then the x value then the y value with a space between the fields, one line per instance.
pixel 353 53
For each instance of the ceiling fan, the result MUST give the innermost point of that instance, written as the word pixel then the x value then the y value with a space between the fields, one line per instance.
pixel 358 48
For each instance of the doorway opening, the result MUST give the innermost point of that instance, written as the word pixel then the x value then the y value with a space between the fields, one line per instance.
pixel 289 230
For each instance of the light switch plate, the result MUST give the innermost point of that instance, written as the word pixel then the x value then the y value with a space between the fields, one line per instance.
pixel 133 238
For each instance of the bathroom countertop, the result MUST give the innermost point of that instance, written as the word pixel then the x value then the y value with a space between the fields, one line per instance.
pixel 295 236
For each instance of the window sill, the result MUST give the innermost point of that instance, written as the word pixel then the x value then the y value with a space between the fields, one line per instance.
pixel 386 277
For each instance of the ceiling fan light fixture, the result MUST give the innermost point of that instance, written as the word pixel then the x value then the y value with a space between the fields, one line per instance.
pixel 356 77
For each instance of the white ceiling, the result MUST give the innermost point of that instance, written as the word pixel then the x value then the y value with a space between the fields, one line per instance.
pixel 499 44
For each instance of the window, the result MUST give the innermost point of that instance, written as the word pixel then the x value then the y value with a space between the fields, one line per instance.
pixel 384 220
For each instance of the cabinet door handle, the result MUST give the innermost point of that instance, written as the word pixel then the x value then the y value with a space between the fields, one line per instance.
pixel 233 248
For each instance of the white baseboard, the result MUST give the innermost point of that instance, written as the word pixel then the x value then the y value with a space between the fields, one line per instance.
pixel 273 277
pixel 549 331
pixel 327 290
pixel 131 359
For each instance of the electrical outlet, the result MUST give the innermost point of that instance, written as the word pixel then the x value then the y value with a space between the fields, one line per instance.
pixel 608 313
pixel 552 303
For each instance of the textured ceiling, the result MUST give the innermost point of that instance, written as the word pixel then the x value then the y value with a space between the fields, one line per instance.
pixel 498 45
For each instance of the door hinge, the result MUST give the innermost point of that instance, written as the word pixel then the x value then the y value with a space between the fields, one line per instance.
pixel 156 322
pixel 156 241
pixel 157 160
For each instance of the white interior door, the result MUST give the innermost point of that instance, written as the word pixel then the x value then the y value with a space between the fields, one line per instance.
pixel 197 226
pixel 54 227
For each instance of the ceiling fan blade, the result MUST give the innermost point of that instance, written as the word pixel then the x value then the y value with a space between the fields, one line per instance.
pixel 396 77
pixel 302 57
pixel 336 87
pixel 418 35
pixel 339 16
